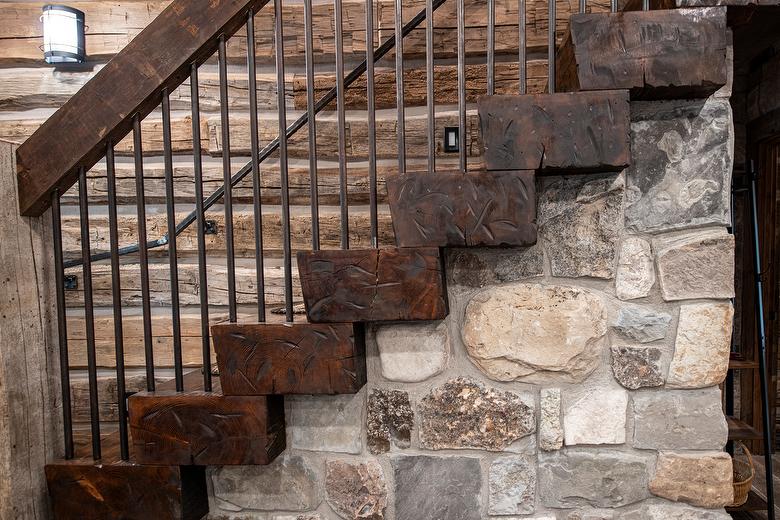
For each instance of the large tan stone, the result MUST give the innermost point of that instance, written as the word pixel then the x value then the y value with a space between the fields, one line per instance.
pixel 702 479
pixel 596 417
pixel 701 350
pixel 699 264
pixel 534 333
pixel 635 273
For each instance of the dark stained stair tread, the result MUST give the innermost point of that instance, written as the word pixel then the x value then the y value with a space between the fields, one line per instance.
pixel 740 430
pixel 85 489
pixel 294 358
pixel 456 209
pixel 392 284
pixel 205 428
pixel 563 132
pixel 672 54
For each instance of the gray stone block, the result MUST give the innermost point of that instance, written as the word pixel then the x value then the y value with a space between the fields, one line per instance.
pixel 512 486
pixel 326 423
pixel 595 478
pixel 642 325
pixel 680 175
pixel 436 488
pixel 679 419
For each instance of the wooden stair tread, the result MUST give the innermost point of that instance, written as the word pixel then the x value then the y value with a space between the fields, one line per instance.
pixel 205 428
pixel 742 364
pixel 282 359
pixel 740 430
pixel 363 285
pixel 455 209
pixel 573 132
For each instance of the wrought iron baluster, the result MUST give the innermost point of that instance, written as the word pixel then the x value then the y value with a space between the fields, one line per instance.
pixel 312 123
pixel 371 102
pixel 491 46
pixel 343 193
pixel 522 63
pixel 551 47
pixel 399 87
pixel 429 75
pixel 462 85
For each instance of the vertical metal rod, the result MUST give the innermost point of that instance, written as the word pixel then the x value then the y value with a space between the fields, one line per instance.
pixel 491 46
pixel 551 47
pixel 613 6
pixel 143 255
pixel 461 8
pixel 372 182
pixel 228 196
pixel 89 314
pixel 645 5
pixel 279 44
pixel 256 192
pixel 343 194
pixel 172 260
pixel 62 325
pixel 429 74
pixel 583 6
pixel 201 225
pixel 312 122
pixel 762 362
pixel 116 302
pixel 522 62
pixel 399 87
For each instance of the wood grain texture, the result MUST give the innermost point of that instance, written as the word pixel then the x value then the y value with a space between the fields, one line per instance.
pixel 30 402
pixel 95 491
pixel 390 284
pixel 455 209
pixel 301 358
pixel 583 131
pixel 131 83
pixel 206 428
pixel 668 54
pixel 445 81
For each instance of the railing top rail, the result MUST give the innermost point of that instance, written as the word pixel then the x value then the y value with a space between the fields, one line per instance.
pixel 131 83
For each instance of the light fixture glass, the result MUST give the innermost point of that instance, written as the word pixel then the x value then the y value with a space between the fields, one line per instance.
pixel 63 34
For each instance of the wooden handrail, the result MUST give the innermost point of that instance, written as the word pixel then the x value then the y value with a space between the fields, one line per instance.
pixel 131 83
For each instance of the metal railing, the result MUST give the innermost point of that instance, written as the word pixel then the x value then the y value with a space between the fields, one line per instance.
pixel 258 155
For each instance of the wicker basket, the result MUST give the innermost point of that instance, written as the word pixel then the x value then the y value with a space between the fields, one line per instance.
pixel 744 471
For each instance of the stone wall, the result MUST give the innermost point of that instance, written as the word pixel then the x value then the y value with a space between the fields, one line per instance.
pixel 576 379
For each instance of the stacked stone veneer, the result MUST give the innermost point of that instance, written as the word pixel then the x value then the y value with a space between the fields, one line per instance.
pixel 576 379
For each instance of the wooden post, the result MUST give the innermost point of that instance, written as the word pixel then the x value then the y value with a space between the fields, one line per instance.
pixel 30 407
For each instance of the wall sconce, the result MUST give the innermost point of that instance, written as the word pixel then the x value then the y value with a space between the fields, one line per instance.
pixel 63 34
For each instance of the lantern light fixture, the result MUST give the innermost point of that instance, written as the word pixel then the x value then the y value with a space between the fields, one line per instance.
pixel 63 34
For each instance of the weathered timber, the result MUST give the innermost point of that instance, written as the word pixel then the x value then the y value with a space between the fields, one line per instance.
pixel 113 25
pixel 356 133
pixel 373 285
pixel 456 209
pixel 130 83
pixel 30 402
pixel 97 491
pixel 584 131
pixel 205 428
pixel 415 94
pixel 27 88
pixel 244 231
pixel 108 398
pixel 301 358
pixel 673 54
pixel 189 284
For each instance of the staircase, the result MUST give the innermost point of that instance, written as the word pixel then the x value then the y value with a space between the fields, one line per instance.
pixel 239 419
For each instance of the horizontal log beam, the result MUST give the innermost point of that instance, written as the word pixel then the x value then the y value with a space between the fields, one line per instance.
pixel 102 111
pixel 373 285
pixel 304 358
pixel 456 209
pixel 244 234
pixel 583 131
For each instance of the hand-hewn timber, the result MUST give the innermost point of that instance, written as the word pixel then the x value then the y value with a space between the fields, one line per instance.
pixel 301 358
pixel 95 490
pixel 373 285
pixel 445 81
pixel 675 53
pixel 30 402
pixel 244 231
pixel 585 131
pixel 455 209
pixel 205 428
pixel 102 111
